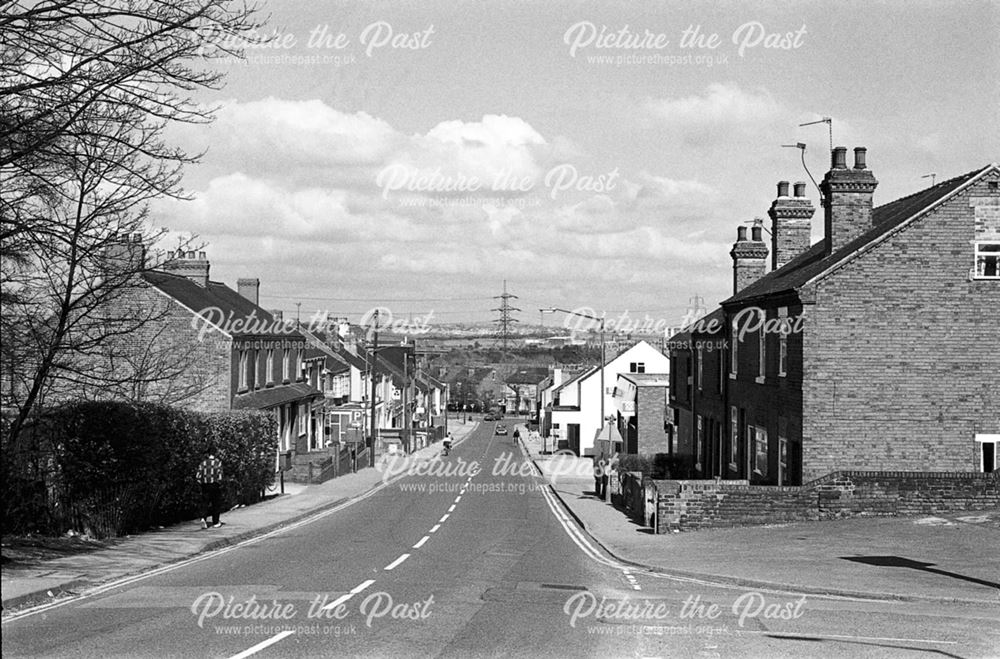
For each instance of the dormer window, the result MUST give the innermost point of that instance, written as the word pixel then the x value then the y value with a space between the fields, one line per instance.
pixel 988 260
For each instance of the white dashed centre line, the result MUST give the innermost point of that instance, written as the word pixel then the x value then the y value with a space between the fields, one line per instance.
pixel 458 498
pixel 422 541
pixel 354 591
pixel 260 646
pixel 452 509
pixel 435 528
pixel 442 520
pixel 397 561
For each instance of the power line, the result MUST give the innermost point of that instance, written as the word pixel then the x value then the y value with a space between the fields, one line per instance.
pixel 505 321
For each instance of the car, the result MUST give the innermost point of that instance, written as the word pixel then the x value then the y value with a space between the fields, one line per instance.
pixel 488 417
pixel 501 429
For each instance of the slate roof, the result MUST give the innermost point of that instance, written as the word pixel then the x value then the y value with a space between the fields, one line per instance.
pixel 274 396
pixel 216 295
pixel 814 261
pixel 647 379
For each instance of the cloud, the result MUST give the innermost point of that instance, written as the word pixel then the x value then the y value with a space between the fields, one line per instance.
pixel 721 104
pixel 293 199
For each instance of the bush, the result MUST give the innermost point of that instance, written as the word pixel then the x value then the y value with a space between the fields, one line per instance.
pixel 110 468
pixel 660 466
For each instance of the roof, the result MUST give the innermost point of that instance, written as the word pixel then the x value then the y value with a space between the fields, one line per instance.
pixel 528 375
pixel 698 326
pixel 216 295
pixel 647 379
pixel 814 261
pixel 274 396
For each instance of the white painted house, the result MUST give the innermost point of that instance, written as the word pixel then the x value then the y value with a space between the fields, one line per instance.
pixel 576 403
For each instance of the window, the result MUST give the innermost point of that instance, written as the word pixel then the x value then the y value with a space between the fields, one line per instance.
pixel 783 342
pixel 782 451
pixel 284 365
pixel 298 364
pixel 758 441
pixel 988 459
pixel 734 438
pixel 303 418
pixel 700 438
pixel 988 260
pixel 256 369
pixel 701 370
pixel 269 367
pixel 733 352
pixel 762 347
pixel 243 370
pixel 637 367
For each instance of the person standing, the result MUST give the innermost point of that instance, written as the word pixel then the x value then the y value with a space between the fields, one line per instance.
pixel 210 478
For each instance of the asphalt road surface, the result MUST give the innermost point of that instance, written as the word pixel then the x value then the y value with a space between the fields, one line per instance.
pixel 451 561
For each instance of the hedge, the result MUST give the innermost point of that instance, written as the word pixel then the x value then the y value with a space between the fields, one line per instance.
pixel 110 468
pixel 660 466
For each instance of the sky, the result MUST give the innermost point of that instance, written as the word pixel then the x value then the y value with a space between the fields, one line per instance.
pixel 597 156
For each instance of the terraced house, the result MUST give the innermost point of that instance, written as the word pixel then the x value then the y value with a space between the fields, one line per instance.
pixel 875 349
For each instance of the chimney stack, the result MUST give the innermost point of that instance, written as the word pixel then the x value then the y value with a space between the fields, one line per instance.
pixel 790 224
pixel 847 198
pixel 124 254
pixel 250 289
pixel 192 265
pixel 749 256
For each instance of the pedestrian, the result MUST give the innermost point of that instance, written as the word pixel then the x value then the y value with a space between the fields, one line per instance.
pixel 209 477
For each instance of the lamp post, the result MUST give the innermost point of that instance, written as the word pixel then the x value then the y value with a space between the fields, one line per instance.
pixel 601 320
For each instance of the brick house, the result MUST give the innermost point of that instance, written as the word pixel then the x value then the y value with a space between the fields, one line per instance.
pixel 640 400
pixel 238 356
pixel 873 349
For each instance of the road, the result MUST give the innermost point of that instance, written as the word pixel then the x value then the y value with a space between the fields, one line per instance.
pixel 455 562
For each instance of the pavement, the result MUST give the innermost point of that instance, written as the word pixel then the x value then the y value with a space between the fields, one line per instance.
pixel 47 580
pixel 947 558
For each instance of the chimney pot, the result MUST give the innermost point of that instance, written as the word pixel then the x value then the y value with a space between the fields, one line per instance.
pixel 123 238
pixel 782 188
pixel 191 255
pixel 839 157
pixel 203 256
pixel 859 157
pixel 800 189
pixel 137 237
pixel 741 233
pixel 755 233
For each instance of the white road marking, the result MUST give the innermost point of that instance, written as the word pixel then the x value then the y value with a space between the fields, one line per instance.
pixel 452 509
pixel 422 541
pixel 442 520
pixel 364 584
pixel 126 581
pixel 260 646
pixel 435 528
pixel 458 498
pixel 397 561
pixel 354 591
pixel 853 638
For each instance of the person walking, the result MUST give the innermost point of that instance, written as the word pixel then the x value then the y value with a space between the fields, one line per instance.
pixel 209 477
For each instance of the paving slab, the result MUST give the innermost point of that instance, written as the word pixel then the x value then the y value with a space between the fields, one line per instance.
pixel 947 557
pixel 49 579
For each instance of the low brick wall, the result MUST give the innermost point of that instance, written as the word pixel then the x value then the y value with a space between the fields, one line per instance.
pixel 697 504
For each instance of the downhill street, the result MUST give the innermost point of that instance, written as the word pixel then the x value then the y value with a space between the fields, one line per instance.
pixel 461 565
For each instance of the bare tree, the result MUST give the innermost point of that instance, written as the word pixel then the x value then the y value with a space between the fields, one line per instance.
pixel 86 90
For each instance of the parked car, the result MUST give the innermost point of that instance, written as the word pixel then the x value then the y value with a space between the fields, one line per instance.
pixel 488 417
pixel 501 429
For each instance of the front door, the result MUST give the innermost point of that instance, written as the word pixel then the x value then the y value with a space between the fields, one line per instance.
pixel 573 437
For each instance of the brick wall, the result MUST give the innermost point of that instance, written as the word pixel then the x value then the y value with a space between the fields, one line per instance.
pixel 169 343
pixel 650 413
pixel 900 352
pixel 692 505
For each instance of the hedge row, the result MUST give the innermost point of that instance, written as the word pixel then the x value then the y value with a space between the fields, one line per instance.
pixel 660 466
pixel 111 468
